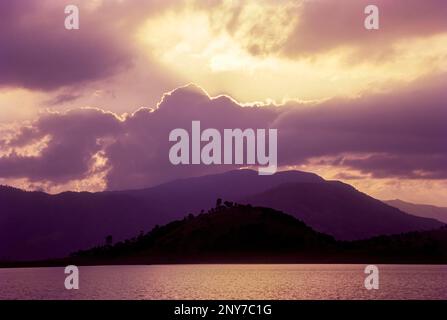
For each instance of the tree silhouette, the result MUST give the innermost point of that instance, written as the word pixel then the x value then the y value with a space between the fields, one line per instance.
pixel 109 240
pixel 228 204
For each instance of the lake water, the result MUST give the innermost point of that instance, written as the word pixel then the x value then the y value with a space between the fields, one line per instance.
pixel 227 282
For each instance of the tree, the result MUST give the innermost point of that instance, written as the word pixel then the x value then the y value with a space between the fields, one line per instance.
pixel 228 204
pixel 109 240
pixel 218 202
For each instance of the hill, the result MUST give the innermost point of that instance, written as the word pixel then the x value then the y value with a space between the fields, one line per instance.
pixel 420 210
pixel 36 225
pixel 233 233
pixel 228 232
pixel 340 210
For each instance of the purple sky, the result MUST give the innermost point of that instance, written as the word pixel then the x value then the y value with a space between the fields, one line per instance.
pixel 367 108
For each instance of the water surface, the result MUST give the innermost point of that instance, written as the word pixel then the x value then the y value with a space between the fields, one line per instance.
pixel 238 281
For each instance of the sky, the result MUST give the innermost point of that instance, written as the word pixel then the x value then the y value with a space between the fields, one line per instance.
pixel 91 109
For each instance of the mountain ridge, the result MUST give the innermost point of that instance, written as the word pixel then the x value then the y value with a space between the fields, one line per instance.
pixel 236 233
pixel 420 210
pixel 36 225
pixel 340 210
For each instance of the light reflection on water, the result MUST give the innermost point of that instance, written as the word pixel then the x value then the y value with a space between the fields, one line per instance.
pixel 288 281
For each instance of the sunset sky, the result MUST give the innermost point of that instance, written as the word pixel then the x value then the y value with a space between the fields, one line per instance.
pixel 91 109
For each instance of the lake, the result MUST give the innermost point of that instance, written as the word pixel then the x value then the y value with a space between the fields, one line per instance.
pixel 233 281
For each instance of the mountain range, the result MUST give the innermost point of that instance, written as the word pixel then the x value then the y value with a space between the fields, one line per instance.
pixel 340 210
pixel 236 233
pixel 226 233
pixel 37 225
pixel 420 210
pixel 232 233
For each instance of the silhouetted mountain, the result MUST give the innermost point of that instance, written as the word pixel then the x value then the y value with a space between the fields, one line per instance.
pixel 424 247
pixel 420 210
pixel 340 210
pixel 242 233
pixel 35 225
pixel 194 194
pixel 233 233
pixel 226 233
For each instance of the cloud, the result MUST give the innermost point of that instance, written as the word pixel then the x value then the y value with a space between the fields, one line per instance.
pixel 407 122
pixel 324 25
pixel 419 166
pixel 140 157
pixel 71 141
pixel 253 50
pixel 263 50
pixel 38 53
pixel 398 135
pixel 308 27
pixel 63 98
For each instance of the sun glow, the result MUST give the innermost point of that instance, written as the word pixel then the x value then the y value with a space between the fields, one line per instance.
pixel 243 59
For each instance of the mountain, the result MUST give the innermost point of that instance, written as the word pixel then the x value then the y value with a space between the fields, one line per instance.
pixel 426 247
pixel 235 233
pixel 36 225
pixel 226 233
pixel 420 210
pixel 194 194
pixel 340 210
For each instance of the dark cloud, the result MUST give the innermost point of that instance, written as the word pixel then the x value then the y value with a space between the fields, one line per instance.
pixel 417 166
pixel 37 52
pixel 400 134
pixel 74 138
pixel 63 98
pixel 408 121
pixel 140 157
